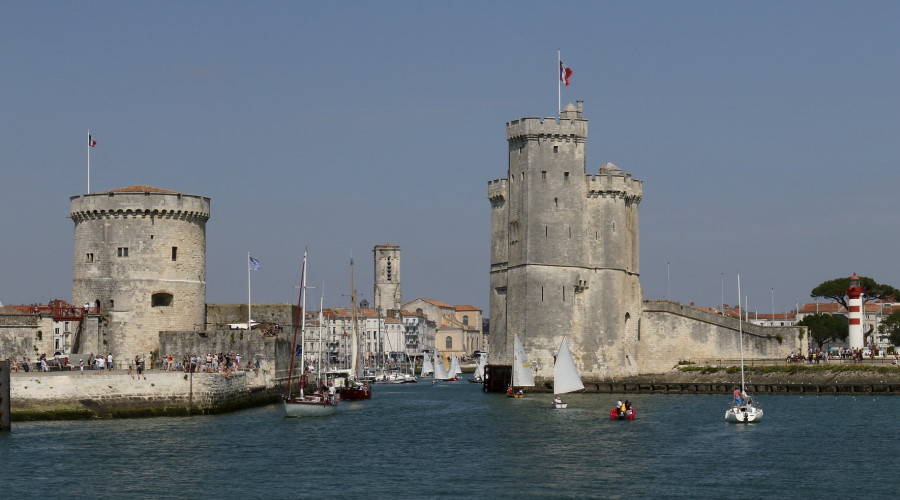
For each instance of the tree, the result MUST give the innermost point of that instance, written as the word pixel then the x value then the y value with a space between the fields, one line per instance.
pixel 825 328
pixel 836 290
pixel 890 328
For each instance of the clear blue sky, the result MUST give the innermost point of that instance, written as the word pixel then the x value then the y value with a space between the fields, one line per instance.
pixel 767 134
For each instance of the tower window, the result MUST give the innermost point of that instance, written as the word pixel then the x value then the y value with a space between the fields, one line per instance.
pixel 556 149
pixel 161 299
pixel 565 176
pixel 123 251
pixel 543 174
pixel 89 258
pixel 174 254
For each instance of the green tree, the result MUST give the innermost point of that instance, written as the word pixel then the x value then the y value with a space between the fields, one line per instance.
pixel 890 328
pixel 836 290
pixel 825 328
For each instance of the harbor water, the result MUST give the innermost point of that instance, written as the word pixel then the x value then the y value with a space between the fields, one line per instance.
pixel 453 441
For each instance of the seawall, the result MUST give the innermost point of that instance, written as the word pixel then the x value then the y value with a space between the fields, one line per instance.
pixel 116 394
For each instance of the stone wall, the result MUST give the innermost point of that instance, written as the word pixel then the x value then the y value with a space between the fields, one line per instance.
pixel 253 346
pixel 219 315
pixel 25 335
pixel 92 394
pixel 671 332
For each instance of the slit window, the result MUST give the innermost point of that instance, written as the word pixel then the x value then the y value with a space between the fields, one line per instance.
pixel 89 258
pixel 174 254
pixel 556 149
pixel 565 176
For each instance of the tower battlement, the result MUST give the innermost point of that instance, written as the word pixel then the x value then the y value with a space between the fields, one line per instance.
pixel 533 127
pixel 613 182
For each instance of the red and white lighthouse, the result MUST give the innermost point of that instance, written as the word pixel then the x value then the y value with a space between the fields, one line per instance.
pixel 854 303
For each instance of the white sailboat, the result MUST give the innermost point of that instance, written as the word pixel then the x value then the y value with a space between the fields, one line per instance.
pixel 743 410
pixel 440 371
pixel 522 375
pixel 478 377
pixel 455 369
pixel 427 367
pixel 305 405
pixel 565 376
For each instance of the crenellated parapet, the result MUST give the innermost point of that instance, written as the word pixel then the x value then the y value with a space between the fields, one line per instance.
pixel 612 182
pixel 133 203
pixel 497 192
pixel 537 128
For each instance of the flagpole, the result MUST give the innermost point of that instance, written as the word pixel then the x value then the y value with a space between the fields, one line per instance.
pixel 559 84
pixel 248 292
pixel 89 161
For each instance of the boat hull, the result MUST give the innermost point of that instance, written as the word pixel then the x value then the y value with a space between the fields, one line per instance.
pixel 559 406
pixel 743 414
pixel 356 393
pixel 309 408
pixel 615 414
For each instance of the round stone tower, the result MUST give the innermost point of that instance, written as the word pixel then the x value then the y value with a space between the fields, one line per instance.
pixel 564 252
pixel 140 257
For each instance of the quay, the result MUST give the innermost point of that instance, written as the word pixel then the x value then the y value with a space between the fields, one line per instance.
pixel 70 395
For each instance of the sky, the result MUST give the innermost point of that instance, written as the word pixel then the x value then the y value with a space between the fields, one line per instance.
pixel 766 134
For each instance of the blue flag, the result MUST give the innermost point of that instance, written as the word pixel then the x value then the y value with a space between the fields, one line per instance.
pixel 254 264
pixel 299 352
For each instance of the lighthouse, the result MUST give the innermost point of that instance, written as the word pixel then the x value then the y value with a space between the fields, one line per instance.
pixel 854 304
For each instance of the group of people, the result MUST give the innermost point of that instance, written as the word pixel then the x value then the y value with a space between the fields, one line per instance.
pixel 211 363
pixel 624 409
pixel 44 364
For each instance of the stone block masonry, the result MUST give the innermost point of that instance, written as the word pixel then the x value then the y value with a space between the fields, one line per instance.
pixel 98 394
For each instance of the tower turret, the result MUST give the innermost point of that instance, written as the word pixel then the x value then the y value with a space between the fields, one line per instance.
pixel 854 304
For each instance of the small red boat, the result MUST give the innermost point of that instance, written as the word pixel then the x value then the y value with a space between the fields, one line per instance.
pixel 617 414
pixel 356 391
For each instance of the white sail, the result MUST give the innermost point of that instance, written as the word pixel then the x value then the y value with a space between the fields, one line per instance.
pixel 427 367
pixel 440 371
pixel 479 368
pixel 455 369
pixel 565 373
pixel 522 375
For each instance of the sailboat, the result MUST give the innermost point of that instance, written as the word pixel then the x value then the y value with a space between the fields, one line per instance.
pixel 455 369
pixel 355 387
pixel 522 376
pixel 565 376
pixel 743 410
pixel 305 405
pixel 440 371
pixel 478 377
pixel 427 367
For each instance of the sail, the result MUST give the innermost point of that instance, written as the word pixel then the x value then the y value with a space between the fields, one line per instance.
pixel 565 373
pixel 522 374
pixel 427 367
pixel 455 369
pixel 479 368
pixel 440 371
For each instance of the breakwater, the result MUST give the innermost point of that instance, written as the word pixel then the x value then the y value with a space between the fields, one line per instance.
pixel 118 394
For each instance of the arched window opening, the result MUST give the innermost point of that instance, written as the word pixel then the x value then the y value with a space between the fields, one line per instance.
pixel 448 342
pixel 161 299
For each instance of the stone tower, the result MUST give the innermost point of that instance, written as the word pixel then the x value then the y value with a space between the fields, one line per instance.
pixel 140 256
pixel 564 252
pixel 387 278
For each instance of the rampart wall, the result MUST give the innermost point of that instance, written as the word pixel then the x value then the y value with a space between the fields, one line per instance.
pixel 671 332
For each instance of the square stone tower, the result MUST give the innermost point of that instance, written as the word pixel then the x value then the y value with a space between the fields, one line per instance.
pixel 387 279
pixel 564 252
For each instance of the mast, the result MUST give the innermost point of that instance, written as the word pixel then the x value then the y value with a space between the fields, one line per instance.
pixel 303 326
pixel 741 333
pixel 321 330
pixel 354 340
pixel 287 392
